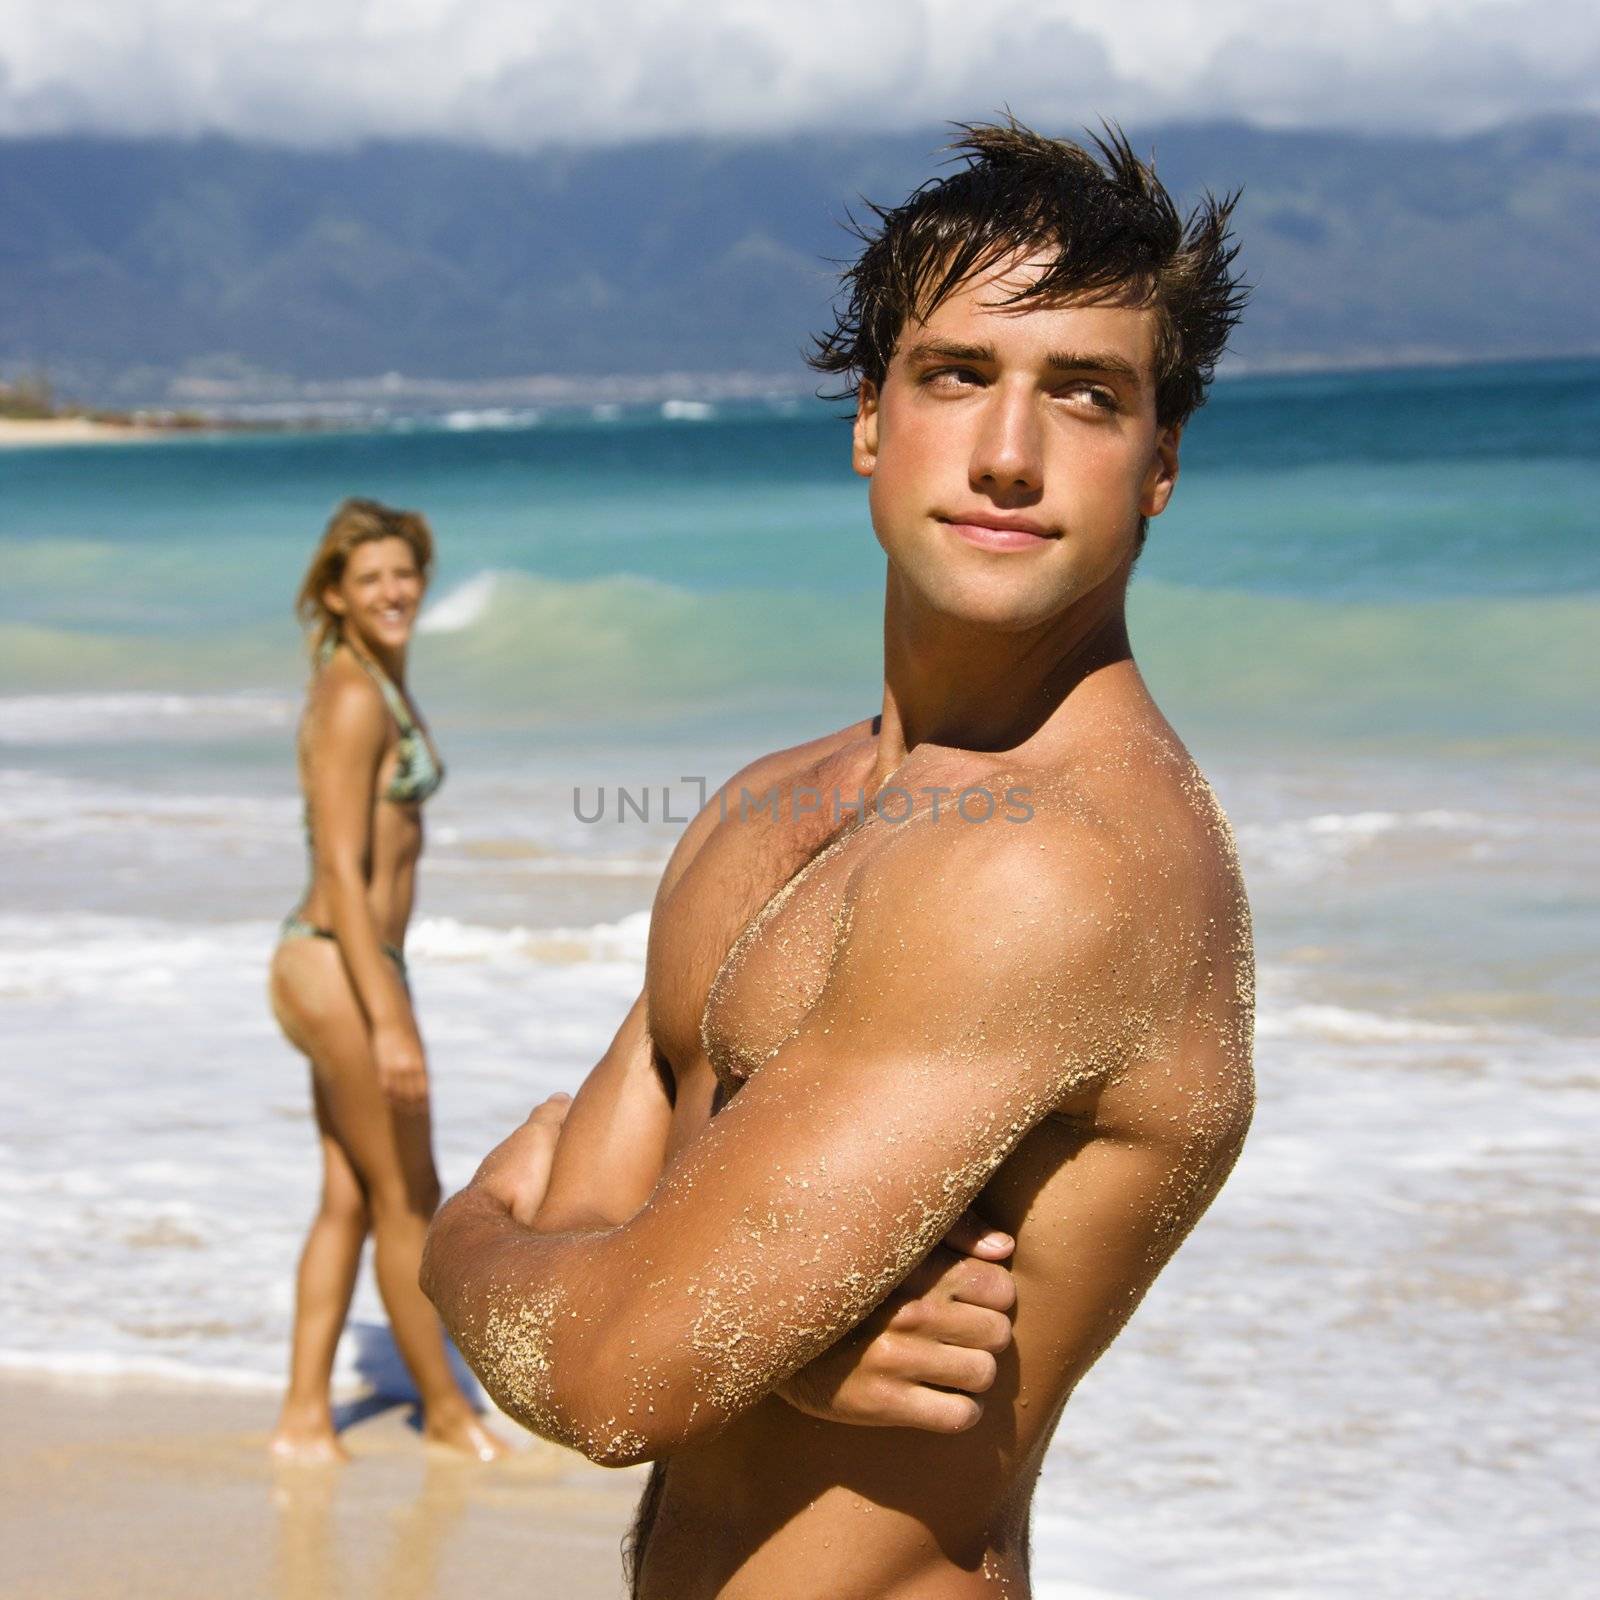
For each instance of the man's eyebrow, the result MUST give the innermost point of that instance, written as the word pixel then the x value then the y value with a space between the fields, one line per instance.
pixel 1105 362
pixel 1102 361
pixel 944 350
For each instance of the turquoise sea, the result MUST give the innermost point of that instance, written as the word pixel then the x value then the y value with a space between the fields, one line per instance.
pixel 1373 611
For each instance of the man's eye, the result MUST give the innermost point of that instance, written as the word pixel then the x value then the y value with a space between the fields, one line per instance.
pixel 953 377
pixel 1100 399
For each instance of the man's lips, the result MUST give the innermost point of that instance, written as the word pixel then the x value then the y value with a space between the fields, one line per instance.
pixel 990 531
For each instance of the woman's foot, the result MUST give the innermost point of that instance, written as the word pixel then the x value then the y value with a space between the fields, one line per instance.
pixel 306 1438
pixel 458 1427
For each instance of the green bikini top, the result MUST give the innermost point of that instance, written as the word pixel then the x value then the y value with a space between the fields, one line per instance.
pixel 417 773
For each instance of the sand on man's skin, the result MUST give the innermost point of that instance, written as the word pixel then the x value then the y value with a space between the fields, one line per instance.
pixel 144 1491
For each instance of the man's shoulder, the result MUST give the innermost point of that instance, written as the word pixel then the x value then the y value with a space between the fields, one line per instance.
pixel 1011 844
pixel 1106 847
pixel 811 763
pixel 1110 935
pixel 1140 800
pixel 766 789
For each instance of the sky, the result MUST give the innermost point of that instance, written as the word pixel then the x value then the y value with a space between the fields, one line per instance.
pixel 517 74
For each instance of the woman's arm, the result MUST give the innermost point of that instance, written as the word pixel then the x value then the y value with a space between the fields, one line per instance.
pixel 347 737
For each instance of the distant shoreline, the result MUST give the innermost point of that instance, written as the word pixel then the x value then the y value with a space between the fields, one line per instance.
pixel 336 398
pixel 29 432
pixel 358 405
pixel 75 430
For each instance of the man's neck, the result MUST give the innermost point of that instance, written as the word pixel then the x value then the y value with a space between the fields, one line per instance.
pixel 956 684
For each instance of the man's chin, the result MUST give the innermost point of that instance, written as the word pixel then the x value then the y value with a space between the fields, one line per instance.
pixel 994 606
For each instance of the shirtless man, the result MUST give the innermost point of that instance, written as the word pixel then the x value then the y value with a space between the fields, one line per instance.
pixel 1017 980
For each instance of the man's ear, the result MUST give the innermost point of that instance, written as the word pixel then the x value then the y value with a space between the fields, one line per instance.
pixel 1162 477
pixel 864 438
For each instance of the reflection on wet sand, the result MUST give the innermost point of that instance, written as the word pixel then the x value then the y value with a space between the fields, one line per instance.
pixel 311 1561
pixel 166 1492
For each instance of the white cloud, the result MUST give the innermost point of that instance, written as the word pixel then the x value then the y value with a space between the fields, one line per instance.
pixel 517 73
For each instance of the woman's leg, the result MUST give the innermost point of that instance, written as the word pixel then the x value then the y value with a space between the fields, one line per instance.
pixel 391 1154
pixel 327 1279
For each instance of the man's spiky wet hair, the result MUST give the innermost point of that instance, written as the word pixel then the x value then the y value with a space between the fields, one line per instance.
pixel 1104 219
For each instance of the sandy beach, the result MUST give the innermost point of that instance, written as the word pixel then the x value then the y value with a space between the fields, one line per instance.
pixel 72 431
pixel 164 1493
pixel 16 431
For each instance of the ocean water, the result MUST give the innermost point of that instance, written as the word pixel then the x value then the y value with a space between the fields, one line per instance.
pixel 1372 610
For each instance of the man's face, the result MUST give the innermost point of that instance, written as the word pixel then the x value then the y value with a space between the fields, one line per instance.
pixel 1012 451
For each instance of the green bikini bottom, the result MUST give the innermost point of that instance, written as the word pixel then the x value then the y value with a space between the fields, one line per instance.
pixel 296 927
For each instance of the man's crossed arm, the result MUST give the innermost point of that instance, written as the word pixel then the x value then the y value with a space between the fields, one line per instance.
pixel 978 982
pixel 922 1360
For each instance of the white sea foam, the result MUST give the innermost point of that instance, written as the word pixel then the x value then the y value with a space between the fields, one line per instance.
pixel 687 410
pixel 445 939
pixel 1341 1022
pixel 44 805
pixel 1370 824
pixel 137 717
pixel 464 605
pixel 1306 847
pixel 107 1365
pixel 497 418
pixel 162 1113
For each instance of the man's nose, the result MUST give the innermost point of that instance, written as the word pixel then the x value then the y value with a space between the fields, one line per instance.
pixel 1007 455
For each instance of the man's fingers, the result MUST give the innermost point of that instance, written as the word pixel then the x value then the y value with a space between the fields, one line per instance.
pixel 924 1277
pixel 934 1411
pixel 551 1113
pixel 947 1366
pixel 952 1322
pixel 981 1283
pixel 970 1235
pixel 892 1403
pixel 943 1277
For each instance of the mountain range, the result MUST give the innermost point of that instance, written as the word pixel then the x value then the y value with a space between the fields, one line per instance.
pixel 139 269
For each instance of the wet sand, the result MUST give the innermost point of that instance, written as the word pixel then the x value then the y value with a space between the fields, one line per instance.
pixel 149 1491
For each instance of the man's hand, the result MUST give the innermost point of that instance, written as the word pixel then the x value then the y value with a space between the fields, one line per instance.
pixel 516 1172
pixel 941 1330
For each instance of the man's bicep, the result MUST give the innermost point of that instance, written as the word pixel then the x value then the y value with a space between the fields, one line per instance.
pixel 614 1139
pixel 1121 1194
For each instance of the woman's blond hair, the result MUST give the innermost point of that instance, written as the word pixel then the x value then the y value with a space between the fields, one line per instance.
pixel 355 522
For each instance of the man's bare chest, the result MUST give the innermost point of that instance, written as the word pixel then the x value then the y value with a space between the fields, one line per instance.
pixel 742 947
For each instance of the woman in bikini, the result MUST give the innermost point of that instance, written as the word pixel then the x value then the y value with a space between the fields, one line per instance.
pixel 338 981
